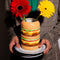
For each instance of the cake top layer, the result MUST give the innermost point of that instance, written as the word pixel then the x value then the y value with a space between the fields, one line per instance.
pixel 30 25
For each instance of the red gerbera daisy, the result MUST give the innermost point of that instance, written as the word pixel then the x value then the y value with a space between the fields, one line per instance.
pixel 20 7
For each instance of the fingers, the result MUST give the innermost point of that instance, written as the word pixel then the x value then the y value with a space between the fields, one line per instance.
pixel 13 42
pixel 48 46
pixel 17 43
pixel 11 46
pixel 42 42
pixel 46 51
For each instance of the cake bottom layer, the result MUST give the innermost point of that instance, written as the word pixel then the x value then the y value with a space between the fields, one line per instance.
pixel 26 47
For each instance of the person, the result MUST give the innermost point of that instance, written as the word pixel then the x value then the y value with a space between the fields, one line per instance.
pixel 49 32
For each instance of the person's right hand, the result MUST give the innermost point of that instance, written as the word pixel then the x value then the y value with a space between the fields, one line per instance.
pixel 14 41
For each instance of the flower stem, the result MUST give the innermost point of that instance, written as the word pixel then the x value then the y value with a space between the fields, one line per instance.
pixel 38 17
pixel 24 18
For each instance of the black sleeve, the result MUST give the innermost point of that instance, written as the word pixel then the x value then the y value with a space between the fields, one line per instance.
pixel 10 23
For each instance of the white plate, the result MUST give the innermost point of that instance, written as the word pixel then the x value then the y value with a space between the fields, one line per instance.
pixel 30 53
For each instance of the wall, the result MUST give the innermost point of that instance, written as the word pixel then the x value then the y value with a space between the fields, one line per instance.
pixel 4 50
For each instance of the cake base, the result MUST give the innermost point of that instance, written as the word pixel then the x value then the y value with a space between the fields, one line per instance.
pixel 26 47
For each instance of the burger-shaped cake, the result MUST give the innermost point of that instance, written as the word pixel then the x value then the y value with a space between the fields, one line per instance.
pixel 30 36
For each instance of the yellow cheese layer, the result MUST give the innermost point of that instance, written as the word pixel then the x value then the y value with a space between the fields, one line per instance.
pixel 30 33
pixel 30 42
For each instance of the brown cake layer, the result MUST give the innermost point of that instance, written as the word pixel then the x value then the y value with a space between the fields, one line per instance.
pixel 30 45
pixel 33 34
pixel 30 37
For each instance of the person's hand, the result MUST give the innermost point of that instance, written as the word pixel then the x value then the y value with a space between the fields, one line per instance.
pixel 47 43
pixel 14 41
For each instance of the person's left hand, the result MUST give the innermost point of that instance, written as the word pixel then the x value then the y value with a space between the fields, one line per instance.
pixel 47 43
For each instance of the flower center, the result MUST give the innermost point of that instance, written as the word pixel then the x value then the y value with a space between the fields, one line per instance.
pixel 20 7
pixel 45 8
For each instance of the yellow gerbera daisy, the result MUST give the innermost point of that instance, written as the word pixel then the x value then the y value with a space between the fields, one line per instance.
pixel 47 8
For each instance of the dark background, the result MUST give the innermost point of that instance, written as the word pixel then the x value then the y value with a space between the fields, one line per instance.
pixel 4 42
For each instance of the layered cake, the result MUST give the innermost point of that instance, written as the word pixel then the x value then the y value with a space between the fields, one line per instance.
pixel 30 36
